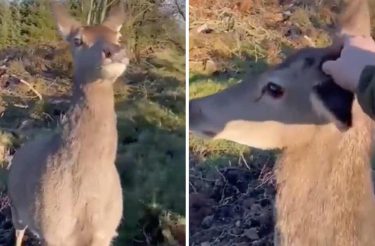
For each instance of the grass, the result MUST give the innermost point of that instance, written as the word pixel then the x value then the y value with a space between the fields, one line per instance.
pixel 151 158
pixel 151 124
pixel 262 34
pixel 150 106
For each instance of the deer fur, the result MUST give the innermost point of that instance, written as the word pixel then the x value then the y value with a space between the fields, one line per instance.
pixel 64 186
pixel 325 193
pixel 324 185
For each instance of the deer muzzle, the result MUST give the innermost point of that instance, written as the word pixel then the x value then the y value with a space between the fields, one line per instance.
pixel 197 120
pixel 113 53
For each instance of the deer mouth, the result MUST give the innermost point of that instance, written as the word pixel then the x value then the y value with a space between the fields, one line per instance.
pixel 119 57
pixel 203 134
pixel 112 69
pixel 210 134
pixel 123 61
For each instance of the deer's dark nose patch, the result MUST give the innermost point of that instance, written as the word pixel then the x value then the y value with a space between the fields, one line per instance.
pixel 309 62
pixel 114 52
pixel 107 53
pixel 110 49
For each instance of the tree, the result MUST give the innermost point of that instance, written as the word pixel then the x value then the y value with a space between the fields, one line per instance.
pixel 150 24
pixel 94 11
pixel 37 23
pixel 10 22
pixel 174 8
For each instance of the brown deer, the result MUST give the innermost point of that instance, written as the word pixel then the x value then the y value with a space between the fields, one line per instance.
pixel 64 187
pixel 324 186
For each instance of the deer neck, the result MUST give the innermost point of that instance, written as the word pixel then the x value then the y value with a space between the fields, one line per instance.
pixel 325 192
pixel 90 127
pixel 96 98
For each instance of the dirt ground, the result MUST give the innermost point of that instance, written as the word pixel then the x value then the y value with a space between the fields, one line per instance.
pixel 233 205
pixel 7 232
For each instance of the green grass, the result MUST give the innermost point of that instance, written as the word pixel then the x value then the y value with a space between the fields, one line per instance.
pixel 151 160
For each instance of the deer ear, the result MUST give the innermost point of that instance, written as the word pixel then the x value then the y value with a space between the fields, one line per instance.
pixel 333 103
pixel 115 18
pixel 66 24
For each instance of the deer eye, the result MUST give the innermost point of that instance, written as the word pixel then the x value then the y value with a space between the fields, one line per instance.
pixel 274 90
pixel 77 42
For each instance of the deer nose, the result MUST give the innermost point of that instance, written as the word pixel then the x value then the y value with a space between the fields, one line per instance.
pixel 114 52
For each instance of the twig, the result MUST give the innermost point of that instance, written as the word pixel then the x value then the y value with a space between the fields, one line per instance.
pixel 17 105
pixel 192 187
pixel 312 44
pixel 30 86
pixel 244 161
pixel 4 61
pixel 266 176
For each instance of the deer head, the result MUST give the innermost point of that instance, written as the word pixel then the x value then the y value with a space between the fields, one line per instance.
pixel 288 102
pixel 97 54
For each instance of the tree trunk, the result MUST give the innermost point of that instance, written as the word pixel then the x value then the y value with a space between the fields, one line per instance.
pixel 103 10
pixel 89 15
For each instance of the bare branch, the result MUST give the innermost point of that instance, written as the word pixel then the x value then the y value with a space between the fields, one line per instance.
pixel 179 10
pixel 29 85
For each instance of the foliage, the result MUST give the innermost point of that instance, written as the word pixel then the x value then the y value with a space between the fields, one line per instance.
pixel 147 28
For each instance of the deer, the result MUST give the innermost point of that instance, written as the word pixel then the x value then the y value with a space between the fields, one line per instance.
pixel 64 186
pixel 323 177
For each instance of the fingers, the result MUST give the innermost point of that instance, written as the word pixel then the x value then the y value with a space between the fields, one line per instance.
pixel 329 67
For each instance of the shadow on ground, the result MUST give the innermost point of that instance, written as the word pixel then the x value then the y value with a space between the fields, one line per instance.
pixel 232 203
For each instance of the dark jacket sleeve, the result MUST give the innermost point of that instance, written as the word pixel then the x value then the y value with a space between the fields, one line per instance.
pixel 366 91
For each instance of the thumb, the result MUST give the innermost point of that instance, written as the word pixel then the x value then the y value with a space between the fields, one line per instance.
pixel 328 67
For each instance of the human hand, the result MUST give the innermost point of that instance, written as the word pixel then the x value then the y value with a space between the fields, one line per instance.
pixel 357 53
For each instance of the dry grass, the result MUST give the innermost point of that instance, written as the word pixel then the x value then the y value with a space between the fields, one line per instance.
pixel 232 34
pixel 260 32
